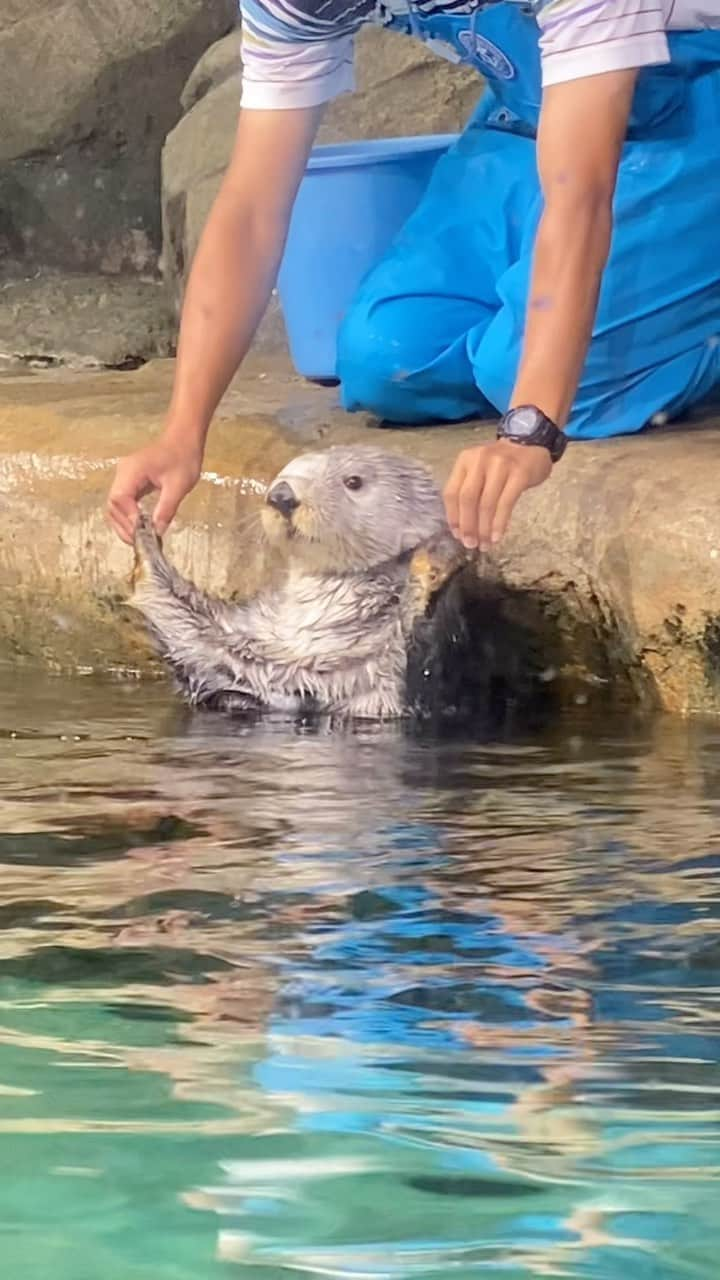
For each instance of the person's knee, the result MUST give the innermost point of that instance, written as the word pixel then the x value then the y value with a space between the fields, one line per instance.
pixel 373 360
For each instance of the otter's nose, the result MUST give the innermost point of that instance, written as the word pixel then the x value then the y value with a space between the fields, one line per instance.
pixel 282 498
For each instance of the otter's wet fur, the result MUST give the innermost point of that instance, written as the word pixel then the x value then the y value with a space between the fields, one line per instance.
pixel 376 616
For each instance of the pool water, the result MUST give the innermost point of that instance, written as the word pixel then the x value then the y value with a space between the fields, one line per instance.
pixel 280 1003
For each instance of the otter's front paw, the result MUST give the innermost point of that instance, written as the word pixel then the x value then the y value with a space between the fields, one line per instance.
pixel 432 566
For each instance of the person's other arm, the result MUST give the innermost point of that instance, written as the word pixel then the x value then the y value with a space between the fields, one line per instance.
pixel 580 137
pixel 232 276
pixel 591 56
pixel 580 140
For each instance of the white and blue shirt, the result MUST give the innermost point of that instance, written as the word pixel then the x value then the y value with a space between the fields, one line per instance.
pixel 299 53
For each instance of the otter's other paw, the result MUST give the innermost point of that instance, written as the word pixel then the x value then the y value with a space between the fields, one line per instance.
pixel 431 568
pixel 148 551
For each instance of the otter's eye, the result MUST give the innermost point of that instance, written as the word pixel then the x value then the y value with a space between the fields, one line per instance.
pixel 353 482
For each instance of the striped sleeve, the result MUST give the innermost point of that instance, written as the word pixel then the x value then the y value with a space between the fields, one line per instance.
pixel 581 38
pixel 290 61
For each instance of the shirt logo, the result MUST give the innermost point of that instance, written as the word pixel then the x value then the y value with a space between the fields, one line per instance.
pixel 487 54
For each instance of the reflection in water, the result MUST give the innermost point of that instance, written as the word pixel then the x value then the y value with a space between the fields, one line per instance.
pixel 354 1006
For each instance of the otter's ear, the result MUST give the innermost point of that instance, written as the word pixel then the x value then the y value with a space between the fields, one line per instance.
pixel 423 515
pixel 417 535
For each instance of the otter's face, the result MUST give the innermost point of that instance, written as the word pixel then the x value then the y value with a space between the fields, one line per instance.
pixel 351 508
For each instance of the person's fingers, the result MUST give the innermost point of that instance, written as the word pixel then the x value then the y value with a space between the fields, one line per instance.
pixel 515 486
pixel 451 493
pixel 172 492
pixel 123 530
pixel 495 480
pixel 131 483
pixel 469 500
pixel 123 512
pixel 484 486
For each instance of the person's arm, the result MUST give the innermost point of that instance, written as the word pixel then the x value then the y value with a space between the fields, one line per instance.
pixel 582 129
pixel 580 140
pixel 232 276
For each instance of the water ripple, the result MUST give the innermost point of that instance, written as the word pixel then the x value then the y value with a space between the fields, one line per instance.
pixel 354 1006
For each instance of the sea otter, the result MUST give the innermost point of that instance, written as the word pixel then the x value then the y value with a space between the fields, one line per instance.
pixel 379 614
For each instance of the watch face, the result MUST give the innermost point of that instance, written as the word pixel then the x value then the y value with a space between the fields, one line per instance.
pixel 523 421
pixel 527 425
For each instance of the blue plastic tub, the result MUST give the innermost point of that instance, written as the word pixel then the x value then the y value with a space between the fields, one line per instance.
pixel 352 201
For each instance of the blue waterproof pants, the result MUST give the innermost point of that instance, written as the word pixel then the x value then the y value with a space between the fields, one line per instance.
pixel 435 332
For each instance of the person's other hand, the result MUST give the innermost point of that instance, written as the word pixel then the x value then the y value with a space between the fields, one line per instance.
pixel 170 468
pixel 484 486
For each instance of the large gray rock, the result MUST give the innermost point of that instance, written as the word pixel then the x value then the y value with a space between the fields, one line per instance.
pixel 402 89
pixel 88 92
pixel 83 320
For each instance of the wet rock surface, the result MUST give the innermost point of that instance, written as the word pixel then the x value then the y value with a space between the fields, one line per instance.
pixel 617 558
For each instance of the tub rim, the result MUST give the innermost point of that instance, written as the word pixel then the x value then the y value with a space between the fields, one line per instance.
pixel 368 152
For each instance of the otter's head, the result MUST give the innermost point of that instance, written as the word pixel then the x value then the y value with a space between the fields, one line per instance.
pixel 351 508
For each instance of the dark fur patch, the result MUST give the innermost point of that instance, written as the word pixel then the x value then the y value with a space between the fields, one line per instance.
pixel 474 660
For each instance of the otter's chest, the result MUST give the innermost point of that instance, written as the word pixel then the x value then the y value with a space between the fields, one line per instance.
pixel 334 645
pixel 318 622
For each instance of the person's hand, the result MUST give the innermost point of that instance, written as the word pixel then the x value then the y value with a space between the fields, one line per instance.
pixel 484 486
pixel 171 468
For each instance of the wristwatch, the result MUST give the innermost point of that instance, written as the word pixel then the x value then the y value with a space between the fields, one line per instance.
pixel 527 425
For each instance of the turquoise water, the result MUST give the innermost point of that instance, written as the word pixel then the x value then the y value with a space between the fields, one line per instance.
pixel 280 1004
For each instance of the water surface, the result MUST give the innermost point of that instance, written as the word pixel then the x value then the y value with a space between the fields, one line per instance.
pixel 277 1003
